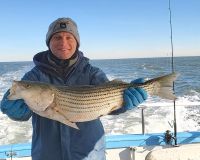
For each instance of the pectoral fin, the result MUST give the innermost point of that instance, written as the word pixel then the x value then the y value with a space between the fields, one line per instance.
pixel 63 119
pixel 71 124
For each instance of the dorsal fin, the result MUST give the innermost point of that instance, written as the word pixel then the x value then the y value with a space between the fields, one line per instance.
pixel 117 81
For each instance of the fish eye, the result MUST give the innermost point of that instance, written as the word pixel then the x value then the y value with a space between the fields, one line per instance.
pixel 27 86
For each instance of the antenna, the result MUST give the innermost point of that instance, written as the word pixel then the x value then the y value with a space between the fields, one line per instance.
pixel 172 63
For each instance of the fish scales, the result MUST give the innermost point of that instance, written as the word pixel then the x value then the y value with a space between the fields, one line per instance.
pixel 80 105
pixel 77 105
pixel 84 100
pixel 97 90
pixel 92 107
pixel 103 101
pixel 87 98
pixel 98 101
pixel 89 106
pixel 69 105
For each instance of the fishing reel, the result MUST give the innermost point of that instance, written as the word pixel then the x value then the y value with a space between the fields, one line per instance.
pixel 169 137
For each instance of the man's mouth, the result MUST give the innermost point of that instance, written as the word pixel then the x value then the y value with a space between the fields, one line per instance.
pixel 62 49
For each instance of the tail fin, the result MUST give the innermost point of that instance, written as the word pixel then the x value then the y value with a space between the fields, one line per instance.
pixel 163 86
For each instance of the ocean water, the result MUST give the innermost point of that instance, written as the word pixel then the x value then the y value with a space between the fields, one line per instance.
pixel 158 113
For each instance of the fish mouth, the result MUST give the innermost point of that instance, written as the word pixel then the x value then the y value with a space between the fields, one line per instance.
pixel 12 92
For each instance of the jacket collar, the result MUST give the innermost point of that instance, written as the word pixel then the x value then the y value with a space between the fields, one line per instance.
pixel 45 62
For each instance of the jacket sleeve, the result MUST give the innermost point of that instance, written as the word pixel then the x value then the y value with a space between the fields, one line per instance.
pixel 17 109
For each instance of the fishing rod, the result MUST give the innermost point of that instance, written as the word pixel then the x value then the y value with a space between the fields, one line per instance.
pixel 172 64
pixel 173 70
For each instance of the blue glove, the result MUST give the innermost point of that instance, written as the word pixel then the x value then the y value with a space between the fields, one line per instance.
pixel 15 109
pixel 134 96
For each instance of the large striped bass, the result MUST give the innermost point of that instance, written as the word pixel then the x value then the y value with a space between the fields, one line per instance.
pixel 71 104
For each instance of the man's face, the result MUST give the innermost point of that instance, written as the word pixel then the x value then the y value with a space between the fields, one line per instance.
pixel 63 45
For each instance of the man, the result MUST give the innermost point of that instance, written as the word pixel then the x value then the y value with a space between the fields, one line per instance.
pixel 64 64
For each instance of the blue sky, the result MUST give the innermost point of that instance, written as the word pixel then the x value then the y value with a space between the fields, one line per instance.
pixel 107 28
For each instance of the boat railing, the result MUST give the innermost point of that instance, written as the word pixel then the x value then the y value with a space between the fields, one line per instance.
pixel 143 107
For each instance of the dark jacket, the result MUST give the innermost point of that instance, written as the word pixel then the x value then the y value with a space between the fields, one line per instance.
pixel 52 140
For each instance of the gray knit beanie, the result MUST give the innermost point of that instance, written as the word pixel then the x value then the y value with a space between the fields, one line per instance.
pixel 63 24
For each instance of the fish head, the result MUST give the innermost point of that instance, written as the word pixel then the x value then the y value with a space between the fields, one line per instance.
pixel 19 88
pixel 38 96
pixel 15 91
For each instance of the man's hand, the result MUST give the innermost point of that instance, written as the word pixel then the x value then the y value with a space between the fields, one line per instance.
pixel 134 96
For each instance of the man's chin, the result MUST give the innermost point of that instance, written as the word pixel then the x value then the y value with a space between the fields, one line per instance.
pixel 65 55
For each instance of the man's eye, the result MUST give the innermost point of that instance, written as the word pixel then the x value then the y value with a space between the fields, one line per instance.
pixel 69 37
pixel 56 37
